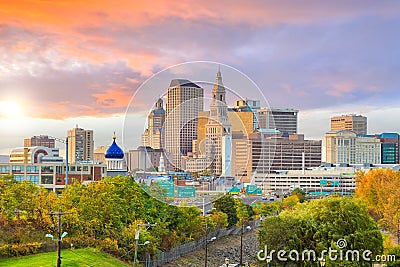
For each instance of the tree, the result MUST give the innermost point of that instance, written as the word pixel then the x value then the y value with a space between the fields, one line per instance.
pixel 300 194
pixel 226 204
pixel 318 225
pixel 244 212
pixel 290 202
pixel 379 189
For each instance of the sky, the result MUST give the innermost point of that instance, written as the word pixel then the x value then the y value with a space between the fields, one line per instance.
pixel 67 62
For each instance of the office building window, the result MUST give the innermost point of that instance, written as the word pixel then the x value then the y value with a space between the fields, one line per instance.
pixel 46 179
pixel 5 169
pixel 33 178
pixel 17 169
pixel 18 178
pixel 32 169
pixel 47 169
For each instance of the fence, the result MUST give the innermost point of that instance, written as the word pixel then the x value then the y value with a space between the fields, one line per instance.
pixel 165 257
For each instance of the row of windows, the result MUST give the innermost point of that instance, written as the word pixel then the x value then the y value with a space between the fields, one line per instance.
pixel 33 178
pixel 44 169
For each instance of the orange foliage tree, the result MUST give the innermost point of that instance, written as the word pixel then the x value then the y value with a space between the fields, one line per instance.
pixel 380 190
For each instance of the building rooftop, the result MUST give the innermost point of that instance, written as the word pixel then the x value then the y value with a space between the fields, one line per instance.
pixel 183 82
pixel 279 109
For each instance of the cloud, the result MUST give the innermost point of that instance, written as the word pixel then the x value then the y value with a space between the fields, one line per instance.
pixel 81 59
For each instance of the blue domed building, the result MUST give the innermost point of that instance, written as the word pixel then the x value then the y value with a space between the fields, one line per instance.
pixel 115 160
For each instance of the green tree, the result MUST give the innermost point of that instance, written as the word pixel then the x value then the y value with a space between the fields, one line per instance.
pixel 300 194
pixel 226 204
pixel 244 212
pixel 318 224
pixel 396 252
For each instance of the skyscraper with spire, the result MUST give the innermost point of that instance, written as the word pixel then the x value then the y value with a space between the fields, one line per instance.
pixel 153 135
pixel 218 130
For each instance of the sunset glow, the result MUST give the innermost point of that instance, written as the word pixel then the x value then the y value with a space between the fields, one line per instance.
pixel 11 110
pixel 76 59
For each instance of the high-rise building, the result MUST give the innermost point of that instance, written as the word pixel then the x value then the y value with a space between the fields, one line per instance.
pixel 248 105
pixel 241 122
pixel 240 157
pixel 153 135
pixel 184 101
pixel 389 147
pixel 281 119
pixel 350 122
pixel 276 153
pixel 41 140
pixel 80 145
pixel 349 148
pixel 266 151
pixel 217 127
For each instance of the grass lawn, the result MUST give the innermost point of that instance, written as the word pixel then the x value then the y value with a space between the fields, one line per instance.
pixel 70 258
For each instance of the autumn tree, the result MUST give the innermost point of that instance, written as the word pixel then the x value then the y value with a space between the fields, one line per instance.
pixel 379 188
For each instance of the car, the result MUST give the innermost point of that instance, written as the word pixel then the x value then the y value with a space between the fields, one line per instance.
pixel 264 197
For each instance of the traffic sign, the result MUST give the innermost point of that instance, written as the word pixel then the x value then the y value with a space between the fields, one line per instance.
pixel 168 186
pixel 186 191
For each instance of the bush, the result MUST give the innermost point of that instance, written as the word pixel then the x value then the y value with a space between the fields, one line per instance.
pixel 19 249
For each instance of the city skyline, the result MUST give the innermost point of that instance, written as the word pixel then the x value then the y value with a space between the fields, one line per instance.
pixel 71 64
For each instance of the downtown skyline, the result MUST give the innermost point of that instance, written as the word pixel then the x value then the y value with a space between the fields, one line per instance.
pixel 65 63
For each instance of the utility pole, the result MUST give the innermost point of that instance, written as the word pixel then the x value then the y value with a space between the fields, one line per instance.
pixel 66 162
pixel 137 235
pixel 59 214
pixel 206 236
pixel 241 246
pixel 66 155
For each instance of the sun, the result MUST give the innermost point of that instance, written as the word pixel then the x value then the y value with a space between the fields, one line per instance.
pixel 10 109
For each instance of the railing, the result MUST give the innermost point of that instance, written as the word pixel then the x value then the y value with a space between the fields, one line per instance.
pixel 165 257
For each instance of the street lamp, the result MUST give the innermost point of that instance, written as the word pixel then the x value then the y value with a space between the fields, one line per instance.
pixel 137 235
pixel 212 239
pixel 241 243
pixel 268 260
pixel 50 236
pixel 60 238
pixel 322 262
pixel 227 262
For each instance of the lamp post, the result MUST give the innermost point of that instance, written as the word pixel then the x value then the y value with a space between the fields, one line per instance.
pixel 241 243
pixel 60 238
pixel 206 258
pixel 268 260
pixel 137 235
pixel 66 161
